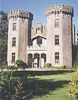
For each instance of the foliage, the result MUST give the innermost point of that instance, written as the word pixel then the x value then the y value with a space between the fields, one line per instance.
pixel 41 87
pixel 64 66
pixel 3 37
pixel 11 87
pixel 48 65
pixel 21 64
pixel 73 91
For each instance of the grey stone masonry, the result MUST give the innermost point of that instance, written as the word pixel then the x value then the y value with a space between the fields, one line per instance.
pixel 20 14
pixel 63 15
pixel 22 34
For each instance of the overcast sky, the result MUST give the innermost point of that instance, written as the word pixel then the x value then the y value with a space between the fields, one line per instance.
pixel 38 8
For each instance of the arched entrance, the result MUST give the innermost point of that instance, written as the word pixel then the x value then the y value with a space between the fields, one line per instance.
pixel 36 60
pixel 43 59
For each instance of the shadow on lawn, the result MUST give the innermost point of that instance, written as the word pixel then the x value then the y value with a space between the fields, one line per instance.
pixel 39 73
pixel 35 87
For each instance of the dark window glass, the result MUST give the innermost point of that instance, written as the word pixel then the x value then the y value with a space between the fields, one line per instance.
pixel 39 40
pixel 13 57
pixel 56 57
pixel 56 39
pixel 14 41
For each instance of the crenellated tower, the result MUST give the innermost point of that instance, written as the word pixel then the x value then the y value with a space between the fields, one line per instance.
pixel 59 35
pixel 19 35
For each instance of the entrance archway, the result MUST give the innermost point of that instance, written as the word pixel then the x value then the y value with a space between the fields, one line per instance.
pixel 43 59
pixel 36 60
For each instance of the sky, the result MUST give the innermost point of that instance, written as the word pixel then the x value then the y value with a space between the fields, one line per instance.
pixel 38 8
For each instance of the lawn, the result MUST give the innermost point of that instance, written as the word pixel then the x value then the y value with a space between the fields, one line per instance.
pixel 50 87
pixel 43 85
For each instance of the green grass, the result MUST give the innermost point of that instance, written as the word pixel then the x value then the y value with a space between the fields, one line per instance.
pixel 50 87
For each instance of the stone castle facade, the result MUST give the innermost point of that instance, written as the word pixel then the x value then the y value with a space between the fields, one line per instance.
pixel 40 44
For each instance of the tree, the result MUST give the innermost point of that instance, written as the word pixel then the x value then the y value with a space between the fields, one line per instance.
pixel 3 37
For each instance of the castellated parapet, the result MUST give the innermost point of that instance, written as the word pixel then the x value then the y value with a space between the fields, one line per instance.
pixel 20 14
pixel 59 9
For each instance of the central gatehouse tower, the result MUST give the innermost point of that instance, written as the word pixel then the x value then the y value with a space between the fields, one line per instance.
pixel 19 35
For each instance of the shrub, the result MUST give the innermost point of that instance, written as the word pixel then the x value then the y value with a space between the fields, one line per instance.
pixel 12 87
pixel 73 90
pixel 64 66
pixel 21 64
pixel 75 65
pixel 48 65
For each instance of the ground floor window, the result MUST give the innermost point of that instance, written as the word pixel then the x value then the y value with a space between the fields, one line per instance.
pixel 13 57
pixel 56 57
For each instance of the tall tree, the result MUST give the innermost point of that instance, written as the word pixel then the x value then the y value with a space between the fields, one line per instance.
pixel 3 37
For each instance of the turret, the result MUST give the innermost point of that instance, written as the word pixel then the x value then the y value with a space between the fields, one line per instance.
pixel 19 35
pixel 59 35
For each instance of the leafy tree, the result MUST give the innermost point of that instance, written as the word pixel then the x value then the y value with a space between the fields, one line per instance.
pixel 3 37
pixel 73 91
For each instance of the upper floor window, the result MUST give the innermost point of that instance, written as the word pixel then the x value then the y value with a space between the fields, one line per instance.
pixel 56 39
pixel 39 40
pixel 39 28
pixel 14 26
pixel 13 57
pixel 14 41
pixel 56 57
pixel 36 30
pixel 56 22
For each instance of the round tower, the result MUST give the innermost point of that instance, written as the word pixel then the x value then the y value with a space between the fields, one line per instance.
pixel 19 35
pixel 59 35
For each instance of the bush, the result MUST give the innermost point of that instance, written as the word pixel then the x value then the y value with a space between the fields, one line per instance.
pixel 48 65
pixel 64 66
pixel 12 87
pixel 21 64
pixel 73 90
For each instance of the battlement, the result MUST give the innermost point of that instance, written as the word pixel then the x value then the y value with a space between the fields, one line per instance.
pixel 59 9
pixel 20 14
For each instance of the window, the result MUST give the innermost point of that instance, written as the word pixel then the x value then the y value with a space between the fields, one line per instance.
pixel 56 22
pixel 39 28
pixel 14 41
pixel 56 39
pixel 39 40
pixel 14 26
pixel 56 57
pixel 57 14
pixel 13 57
pixel 36 30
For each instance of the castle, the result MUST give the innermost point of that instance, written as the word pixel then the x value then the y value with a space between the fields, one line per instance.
pixel 41 44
